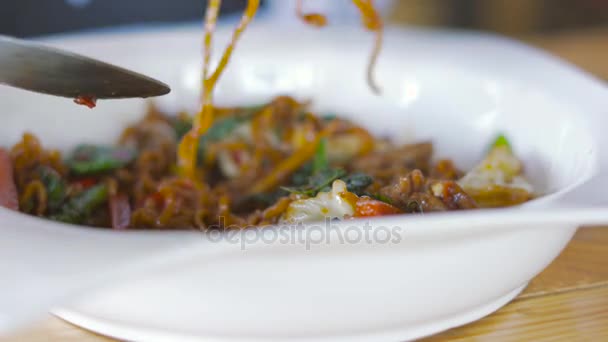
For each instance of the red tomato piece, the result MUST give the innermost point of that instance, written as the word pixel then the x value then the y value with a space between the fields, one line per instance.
pixel 369 207
pixel 89 101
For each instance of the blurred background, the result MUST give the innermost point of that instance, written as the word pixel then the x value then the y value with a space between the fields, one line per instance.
pixel 36 17
pixel 575 29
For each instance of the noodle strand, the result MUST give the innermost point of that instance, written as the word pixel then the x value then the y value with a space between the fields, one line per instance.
pixel 187 150
pixel 373 22
pixel 312 19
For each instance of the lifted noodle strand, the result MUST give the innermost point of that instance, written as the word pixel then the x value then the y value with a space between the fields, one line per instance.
pixel 373 22
pixel 187 150
pixel 312 19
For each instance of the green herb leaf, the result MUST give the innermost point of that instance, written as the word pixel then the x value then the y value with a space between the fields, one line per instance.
pixel 78 208
pixel 500 141
pixel 300 177
pixel 318 176
pixel 318 182
pixel 320 162
pixel 324 178
pixel 181 126
pixel 222 128
pixel 91 159
pixel 329 117
pixel 381 198
pixel 266 199
pixel 56 187
pixel 357 183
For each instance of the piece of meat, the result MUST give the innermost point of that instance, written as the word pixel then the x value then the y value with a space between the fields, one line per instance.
pixel 425 203
pixel 452 195
pixel 400 192
pixel 414 193
pixel 8 190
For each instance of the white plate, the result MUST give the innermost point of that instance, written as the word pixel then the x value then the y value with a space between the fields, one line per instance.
pixel 437 272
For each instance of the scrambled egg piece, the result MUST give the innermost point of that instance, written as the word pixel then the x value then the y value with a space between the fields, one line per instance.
pixel 339 202
pixel 500 167
pixel 498 181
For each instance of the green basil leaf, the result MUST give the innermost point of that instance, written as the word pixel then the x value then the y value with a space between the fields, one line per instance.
pixel 501 140
pixel 222 128
pixel 320 162
pixel 329 117
pixel 56 187
pixel 78 208
pixel 320 181
pixel 181 126
pixel 357 183
pixel 92 159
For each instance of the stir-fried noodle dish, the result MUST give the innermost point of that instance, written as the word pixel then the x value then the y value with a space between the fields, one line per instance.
pixel 230 167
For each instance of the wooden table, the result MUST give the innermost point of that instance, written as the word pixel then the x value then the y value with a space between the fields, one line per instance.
pixel 569 300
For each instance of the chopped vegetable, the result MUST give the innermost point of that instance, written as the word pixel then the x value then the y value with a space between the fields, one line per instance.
pixel 181 126
pixel 318 182
pixel 78 208
pixel 322 176
pixel 55 187
pixel 91 159
pixel 8 190
pixel 382 198
pixel 223 128
pixel 501 141
pixel 322 180
pixel 498 176
pixel 320 162
pixel 301 176
pixel 496 196
pixel 357 182
pixel 329 117
pixel 33 198
pixel 499 167
pixel 264 199
pixel 287 167
pixel 120 211
pixel 369 207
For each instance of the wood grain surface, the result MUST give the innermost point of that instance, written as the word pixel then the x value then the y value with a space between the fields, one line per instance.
pixel 567 302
